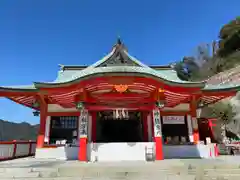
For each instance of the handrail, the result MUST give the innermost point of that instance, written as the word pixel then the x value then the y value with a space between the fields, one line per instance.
pixel 16 149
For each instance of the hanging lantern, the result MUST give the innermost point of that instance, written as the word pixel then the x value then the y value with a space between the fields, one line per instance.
pixel 160 103
pixel 36 104
pixel 161 98
pixel 80 105
pixel 160 90
pixel 36 113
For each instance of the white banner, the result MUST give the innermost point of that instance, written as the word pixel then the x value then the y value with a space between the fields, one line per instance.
pixel 83 128
pixel 157 123
pixel 173 119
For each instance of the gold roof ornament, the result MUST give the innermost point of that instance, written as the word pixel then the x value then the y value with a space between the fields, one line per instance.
pixel 121 88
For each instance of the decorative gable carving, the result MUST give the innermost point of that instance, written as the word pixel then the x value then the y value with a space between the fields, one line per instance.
pixel 119 59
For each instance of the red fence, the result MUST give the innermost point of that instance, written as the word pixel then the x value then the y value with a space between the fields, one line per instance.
pixel 16 149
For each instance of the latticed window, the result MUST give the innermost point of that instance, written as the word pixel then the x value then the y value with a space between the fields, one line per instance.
pixel 64 122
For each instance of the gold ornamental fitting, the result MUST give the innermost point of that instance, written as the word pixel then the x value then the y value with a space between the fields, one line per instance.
pixel 121 88
pixel 161 90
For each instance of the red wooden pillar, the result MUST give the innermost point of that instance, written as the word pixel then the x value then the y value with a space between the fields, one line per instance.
pixel 145 125
pixel 94 126
pixel 211 125
pixel 158 134
pixel 82 154
pixel 152 125
pixel 193 106
pixel 43 118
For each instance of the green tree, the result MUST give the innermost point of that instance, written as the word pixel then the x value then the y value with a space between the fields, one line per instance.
pixel 210 60
pixel 181 71
pixel 187 68
pixel 207 62
pixel 229 38
pixel 192 68
pixel 224 113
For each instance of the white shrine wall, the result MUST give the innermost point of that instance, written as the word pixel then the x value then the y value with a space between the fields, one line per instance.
pixel 16 149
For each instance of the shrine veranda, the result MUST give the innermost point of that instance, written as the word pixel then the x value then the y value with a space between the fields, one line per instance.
pixel 119 109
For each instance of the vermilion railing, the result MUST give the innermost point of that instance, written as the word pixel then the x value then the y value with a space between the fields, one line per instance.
pixel 16 149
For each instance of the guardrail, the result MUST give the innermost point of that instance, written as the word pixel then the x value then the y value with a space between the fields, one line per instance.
pixel 16 149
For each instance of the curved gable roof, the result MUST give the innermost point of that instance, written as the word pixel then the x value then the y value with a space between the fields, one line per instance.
pixel 120 62
pixel 169 76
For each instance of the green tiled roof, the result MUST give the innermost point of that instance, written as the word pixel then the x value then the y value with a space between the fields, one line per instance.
pixel 139 69
pixel 222 87
pixel 17 88
pixel 135 60
pixel 226 80
pixel 103 59
pixel 169 76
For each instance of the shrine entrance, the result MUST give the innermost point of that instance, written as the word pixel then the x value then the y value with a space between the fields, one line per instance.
pixel 119 126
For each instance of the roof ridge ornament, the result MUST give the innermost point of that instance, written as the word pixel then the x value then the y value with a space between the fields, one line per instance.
pixel 119 42
pixel 61 67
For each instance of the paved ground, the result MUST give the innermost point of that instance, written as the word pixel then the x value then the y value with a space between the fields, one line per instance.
pixel 38 163
pixel 227 167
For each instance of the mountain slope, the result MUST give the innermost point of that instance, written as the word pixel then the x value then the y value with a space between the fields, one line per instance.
pixel 17 131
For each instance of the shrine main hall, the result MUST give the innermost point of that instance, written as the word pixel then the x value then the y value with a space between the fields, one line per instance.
pixel 119 109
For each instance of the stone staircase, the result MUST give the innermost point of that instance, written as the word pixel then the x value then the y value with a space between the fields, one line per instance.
pixel 153 171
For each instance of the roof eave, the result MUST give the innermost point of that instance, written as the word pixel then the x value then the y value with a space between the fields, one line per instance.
pixel 199 85
pixel 11 89
pixel 16 91
pixel 231 89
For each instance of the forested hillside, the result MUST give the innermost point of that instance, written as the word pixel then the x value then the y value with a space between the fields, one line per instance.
pixel 17 131
pixel 212 58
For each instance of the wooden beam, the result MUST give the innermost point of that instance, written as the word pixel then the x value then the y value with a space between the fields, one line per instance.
pixel 113 95
pixel 218 93
pixel 213 102
pixel 193 105
pixel 181 102
pixel 42 98
pixel 81 96
pixel 72 113
pixel 24 104
pixel 175 113
pixel 132 107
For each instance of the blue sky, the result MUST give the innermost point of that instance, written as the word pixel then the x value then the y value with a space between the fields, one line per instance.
pixel 36 36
